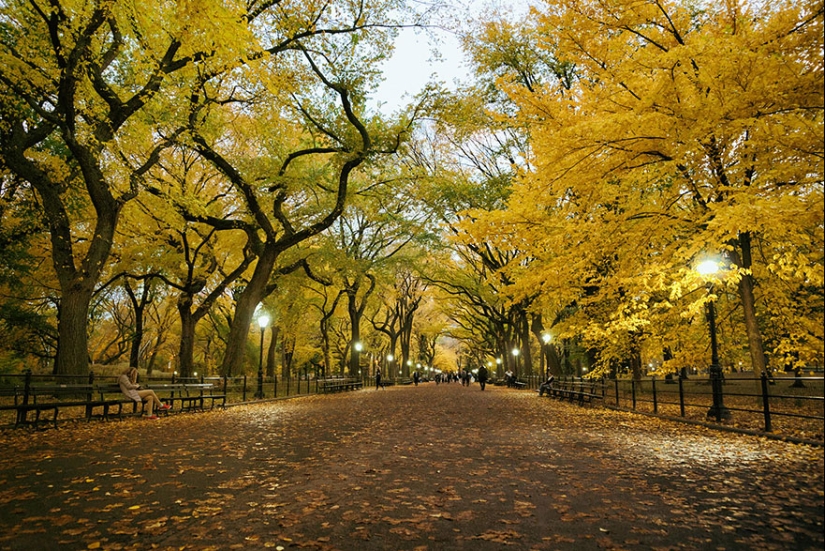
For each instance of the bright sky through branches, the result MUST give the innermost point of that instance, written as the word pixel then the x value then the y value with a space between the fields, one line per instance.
pixel 412 66
pixel 436 54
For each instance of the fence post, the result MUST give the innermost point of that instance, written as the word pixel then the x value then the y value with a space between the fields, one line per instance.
pixel 681 396
pixel 225 377
pixel 633 391
pixel 274 385
pixel 766 402
pixel 655 401
pixel 244 387
pixel 616 381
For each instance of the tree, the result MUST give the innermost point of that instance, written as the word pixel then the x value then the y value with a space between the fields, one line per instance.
pixel 301 187
pixel 199 261
pixel 72 84
pixel 684 133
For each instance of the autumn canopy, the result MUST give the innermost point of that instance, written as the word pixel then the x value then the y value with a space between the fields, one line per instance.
pixel 171 170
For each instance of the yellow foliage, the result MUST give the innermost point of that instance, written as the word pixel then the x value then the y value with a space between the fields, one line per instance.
pixel 684 130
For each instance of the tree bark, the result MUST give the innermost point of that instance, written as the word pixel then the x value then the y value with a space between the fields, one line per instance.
pixel 355 328
pixel 73 346
pixel 248 301
pixel 746 296
pixel 186 351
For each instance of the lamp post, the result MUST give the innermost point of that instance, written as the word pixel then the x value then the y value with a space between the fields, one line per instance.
pixel 516 352
pixel 718 409
pixel 388 369
pixel 357 348
pixel 263 322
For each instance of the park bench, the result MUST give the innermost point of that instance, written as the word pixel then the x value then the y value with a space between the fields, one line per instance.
pixel 339 385
pixel 103 401
pixel 54 397
pixel 10 397
pixel 189 396
pixel 111 393
pixel 518 384
pixel 575 391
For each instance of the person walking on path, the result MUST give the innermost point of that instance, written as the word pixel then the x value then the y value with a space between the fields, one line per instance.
pixel 378 383
pixel 482 376
pixel 129 387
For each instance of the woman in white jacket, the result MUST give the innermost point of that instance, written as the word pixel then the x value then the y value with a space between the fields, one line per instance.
pixel 129 387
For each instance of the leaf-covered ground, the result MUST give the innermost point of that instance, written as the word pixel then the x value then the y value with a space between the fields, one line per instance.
pixel 417 468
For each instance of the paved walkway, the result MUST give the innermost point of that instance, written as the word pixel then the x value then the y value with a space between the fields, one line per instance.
pixel 407 468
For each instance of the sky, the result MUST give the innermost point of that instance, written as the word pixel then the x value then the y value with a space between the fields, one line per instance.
pixel 411 64
pixel 410 68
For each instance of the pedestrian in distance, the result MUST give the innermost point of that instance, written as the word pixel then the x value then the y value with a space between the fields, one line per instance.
pixel 130 387
pixel 481 375
pixel 378 383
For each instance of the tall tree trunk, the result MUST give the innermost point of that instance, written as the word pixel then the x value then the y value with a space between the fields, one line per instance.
pixel 186 352
pixel 355 328
pixel 288 351
pixel 746 284
pixel 526 350
pixel 553 360
pixel 405 353
pixel 248 301
pixel 77 286
pixel 138 307
pixel 636 364
pixel 72 342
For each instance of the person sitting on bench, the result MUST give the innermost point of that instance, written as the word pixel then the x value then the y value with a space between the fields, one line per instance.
pixel 129 387
pixel 547 385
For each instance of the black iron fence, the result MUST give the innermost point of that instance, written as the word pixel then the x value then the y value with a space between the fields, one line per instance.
pixel 791 406
pixel 17 388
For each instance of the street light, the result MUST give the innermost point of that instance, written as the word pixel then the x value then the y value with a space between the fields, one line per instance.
pixel 388 370
pixel 263 322
pixel 357 348
pixel 516 352
pixel 707 269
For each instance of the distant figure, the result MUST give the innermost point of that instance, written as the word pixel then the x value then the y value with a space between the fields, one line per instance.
pixel 547 385
pixel 129 387
pixel 416 377
pixel 378 383
pixel 482 376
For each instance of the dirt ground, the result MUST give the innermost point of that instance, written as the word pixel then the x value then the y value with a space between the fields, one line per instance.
pixel 433 467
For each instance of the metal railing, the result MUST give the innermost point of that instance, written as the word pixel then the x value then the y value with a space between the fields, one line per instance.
pixel 782 405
